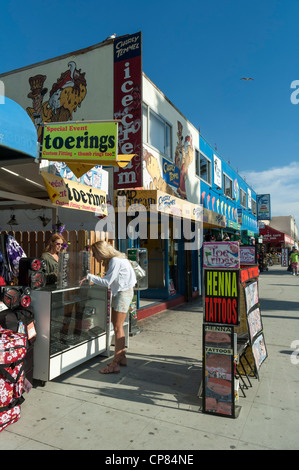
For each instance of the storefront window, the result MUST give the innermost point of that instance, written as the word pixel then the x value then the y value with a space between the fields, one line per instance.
pixel 253 206
pixel 243 198
pixel 156 131
pixel 228 186
pixel 205 168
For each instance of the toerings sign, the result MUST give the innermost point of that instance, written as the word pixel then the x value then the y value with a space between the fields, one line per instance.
pixel 86 142
pixel 68 193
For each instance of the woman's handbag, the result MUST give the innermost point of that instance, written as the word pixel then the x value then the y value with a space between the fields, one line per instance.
pixel 139 272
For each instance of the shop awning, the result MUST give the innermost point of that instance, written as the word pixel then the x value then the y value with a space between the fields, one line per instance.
pixel 155 200
pixel 212 219
pixel 18 136
pixel 250 233
pixel 21 185
pixel 232 224
pixel 275 237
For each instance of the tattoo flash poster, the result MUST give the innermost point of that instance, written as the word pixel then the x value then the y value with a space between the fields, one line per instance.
pixel 251 295
pixel 254 322
pixel 259 350
pixel 218 387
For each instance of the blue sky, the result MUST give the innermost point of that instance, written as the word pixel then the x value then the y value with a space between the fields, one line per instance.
pixel 196 52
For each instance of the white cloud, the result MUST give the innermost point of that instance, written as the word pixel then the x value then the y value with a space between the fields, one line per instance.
pixel 283 185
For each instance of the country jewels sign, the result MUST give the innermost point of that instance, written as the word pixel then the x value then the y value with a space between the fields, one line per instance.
pixel 221 296
pixel 68 193
pixel 155 200
pixel 171 173
pixel 87 142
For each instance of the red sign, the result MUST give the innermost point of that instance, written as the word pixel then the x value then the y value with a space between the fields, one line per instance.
pixel 128 108
pixel 249 273
pixel 275 237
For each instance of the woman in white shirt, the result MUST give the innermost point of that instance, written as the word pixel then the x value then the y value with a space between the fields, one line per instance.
pixel 121 279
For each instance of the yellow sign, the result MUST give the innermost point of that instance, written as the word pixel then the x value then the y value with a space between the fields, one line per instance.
pixel 157 200
pixel 88 142
pixel 79 169
pixel 67 193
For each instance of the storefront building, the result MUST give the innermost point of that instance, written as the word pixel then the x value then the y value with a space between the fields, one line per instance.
pixel 224 192
pixel 171 157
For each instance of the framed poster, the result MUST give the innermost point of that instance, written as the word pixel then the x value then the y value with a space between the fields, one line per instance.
pixel 221 296
pixel 248 255
pixel 259 350
pixel 221 255
pixel 218 386
pixel 251 295
pixel 254 322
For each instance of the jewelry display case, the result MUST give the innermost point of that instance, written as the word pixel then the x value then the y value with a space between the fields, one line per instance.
pixel 73 325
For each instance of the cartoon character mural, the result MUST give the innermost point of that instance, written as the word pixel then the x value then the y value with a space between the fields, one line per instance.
pixel 184 155
pixel 154 171
pixel 65 96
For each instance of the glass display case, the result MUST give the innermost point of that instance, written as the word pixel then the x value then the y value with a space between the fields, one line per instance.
pixel 73 325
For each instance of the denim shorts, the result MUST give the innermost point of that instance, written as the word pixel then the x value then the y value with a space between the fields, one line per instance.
pixel 121 302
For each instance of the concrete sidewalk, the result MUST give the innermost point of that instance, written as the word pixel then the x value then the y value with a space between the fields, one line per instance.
pixel 153 404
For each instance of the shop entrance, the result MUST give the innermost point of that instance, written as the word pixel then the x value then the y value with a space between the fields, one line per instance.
pixel 188 272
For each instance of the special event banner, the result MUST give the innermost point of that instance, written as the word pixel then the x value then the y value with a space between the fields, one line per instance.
pixel 128 107
pixel 86 142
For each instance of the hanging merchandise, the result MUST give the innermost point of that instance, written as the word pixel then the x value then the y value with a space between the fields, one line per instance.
pixel 11 253
pixel 9 415
pixel 63 270
pixel 21 320
pixel 12 357
pixel 32 272
pixel 15 296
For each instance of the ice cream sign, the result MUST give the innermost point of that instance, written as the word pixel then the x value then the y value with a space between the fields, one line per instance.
pixel 221 255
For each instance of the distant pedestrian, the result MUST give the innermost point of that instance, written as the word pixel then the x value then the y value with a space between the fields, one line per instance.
pixel 294 257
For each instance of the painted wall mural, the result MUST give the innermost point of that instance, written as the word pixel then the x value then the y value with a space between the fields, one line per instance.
pixel 164 175
pixel 65 96
pixel 184 154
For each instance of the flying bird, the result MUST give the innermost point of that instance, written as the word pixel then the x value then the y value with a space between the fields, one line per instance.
pixel 113 36
pixel 246 79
